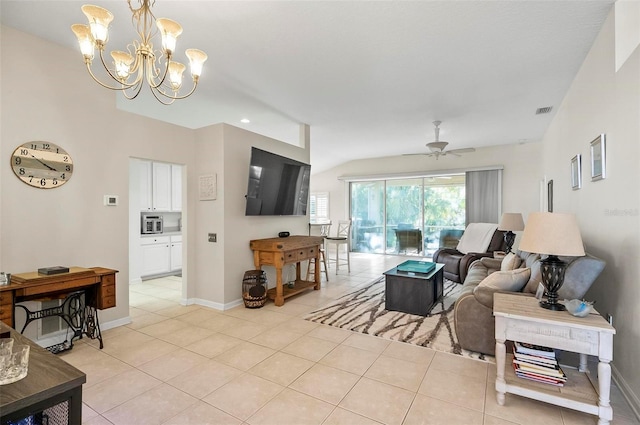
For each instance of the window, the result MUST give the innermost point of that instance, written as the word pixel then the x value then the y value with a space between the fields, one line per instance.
pixel 412 216
pixel 319 206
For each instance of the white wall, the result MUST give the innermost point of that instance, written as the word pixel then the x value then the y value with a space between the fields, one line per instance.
pixel 238 228
pixel 521 174
pixel 602 100
pixel 70 226
pixel 43 98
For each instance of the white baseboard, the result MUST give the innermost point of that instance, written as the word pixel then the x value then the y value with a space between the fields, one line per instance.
pixel 211 304
pixel 115 323
pixel 627 392
pixel 135 281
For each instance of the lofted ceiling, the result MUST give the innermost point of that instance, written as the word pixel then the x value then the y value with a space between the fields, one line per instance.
pixel 369 77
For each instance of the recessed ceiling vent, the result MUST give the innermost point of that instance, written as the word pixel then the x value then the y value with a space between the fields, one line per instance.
pixel 544 110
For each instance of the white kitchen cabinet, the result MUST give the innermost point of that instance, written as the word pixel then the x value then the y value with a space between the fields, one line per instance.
pixel 144 174
pixel 160 186
pixel 176 253
pixel 176 187
pixel 156 252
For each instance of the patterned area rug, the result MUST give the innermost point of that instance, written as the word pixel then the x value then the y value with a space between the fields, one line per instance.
pixel 363 311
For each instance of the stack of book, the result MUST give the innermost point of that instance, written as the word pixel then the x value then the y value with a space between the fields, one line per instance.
pixel 538 364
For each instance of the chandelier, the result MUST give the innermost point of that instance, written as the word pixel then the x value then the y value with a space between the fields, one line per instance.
pixel 140 64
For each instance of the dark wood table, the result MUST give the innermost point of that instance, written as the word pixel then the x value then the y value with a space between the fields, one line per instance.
pixel 49 382
pixel 413 292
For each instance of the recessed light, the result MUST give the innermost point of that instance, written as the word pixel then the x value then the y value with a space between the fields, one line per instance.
pixel 245 121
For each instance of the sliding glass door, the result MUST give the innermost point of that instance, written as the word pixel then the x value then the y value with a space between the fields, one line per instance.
pixel 367 212
pixel 407 216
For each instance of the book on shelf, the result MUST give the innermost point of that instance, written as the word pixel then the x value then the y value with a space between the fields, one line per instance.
pixel 551 371
pixel 540 378
pixel 532 358
pixel 534 350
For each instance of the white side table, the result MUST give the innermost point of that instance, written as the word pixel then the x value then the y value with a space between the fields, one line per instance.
pixel 520 318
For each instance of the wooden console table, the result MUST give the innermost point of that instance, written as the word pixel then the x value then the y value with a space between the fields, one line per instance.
pixel 49 382
pixel 520 318
pixel 98 285
pixel 280 251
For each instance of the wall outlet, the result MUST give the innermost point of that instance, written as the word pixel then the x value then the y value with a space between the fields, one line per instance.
pixel 213 237
pixel 610 319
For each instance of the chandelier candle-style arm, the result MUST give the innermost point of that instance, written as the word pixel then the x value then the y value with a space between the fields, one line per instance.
pixel 140 65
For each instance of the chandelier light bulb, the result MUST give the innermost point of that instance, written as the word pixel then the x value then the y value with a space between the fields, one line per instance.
pixel 175 74
pixel 85 40
pixel 196 61
pixel 170 31
pixel 99 20
pixel 122 62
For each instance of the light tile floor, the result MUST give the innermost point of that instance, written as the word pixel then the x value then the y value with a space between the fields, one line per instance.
pixel 193 365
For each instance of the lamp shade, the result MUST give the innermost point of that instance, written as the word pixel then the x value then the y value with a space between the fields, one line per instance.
pixel 512 222
pixel 552 234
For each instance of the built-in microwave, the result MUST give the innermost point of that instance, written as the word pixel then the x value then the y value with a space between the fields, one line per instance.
pixel 151 224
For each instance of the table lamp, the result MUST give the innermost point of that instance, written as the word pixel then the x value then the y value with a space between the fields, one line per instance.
pixel 510 222
pixel 552 234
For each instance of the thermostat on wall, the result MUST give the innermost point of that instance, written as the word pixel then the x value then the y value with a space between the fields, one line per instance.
pixel 111 200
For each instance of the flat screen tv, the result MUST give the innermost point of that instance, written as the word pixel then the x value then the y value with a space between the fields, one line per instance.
pixel 277 185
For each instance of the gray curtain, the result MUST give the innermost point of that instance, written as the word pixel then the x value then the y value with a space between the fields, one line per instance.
pixel 483 196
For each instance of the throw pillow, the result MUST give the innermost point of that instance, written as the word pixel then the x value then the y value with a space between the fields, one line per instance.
pixel 510 262
pixel 512 280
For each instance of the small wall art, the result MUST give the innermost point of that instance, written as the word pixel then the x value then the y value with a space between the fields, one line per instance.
pixel 598 158
pixel 207 187
pixel 576 172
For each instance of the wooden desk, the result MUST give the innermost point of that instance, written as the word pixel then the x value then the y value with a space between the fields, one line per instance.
pixel 280 251
pixel 520 318
pixel 98 283
pixel 50 381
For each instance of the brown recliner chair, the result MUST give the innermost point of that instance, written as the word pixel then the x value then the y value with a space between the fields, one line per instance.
pixel 456 263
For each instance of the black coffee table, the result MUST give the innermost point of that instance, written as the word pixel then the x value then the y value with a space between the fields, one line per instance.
pixel 413 292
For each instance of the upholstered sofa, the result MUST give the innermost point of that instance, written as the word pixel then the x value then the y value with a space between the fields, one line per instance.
pixel 519 273
pixel 456 263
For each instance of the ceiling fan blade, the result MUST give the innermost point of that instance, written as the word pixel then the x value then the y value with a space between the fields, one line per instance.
pixel 463 150
pixel 414 154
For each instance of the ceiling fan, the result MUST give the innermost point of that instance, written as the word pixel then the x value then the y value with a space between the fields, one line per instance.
pixel 437 147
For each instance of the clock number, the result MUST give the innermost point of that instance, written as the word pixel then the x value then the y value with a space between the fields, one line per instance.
pixel 54 182
pixel 21 171
pixel 30 179
pixel 65 159
pixel 18 160
pixel 43 182
pixel 34 146
pixel 46 146
pixel 67 168
pixel 24 152
pixel 63 176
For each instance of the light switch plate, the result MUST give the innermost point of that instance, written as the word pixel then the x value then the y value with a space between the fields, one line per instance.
pixel 111 200
pixel 213 237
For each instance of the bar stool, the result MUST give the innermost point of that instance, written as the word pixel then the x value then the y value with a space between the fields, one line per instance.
pixel 342 238
pixel 324 232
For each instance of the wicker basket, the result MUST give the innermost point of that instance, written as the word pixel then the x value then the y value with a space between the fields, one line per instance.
pixel 254 288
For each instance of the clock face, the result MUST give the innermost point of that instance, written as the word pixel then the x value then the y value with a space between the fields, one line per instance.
pixel 43 165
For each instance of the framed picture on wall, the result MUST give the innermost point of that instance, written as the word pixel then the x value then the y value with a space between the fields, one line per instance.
pixel 550 196
pixel 576 172
pixel 598 158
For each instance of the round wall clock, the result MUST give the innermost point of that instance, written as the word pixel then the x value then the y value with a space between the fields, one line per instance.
pixel 43 165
